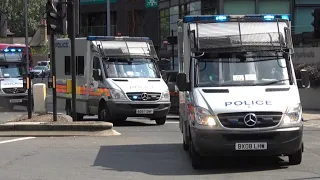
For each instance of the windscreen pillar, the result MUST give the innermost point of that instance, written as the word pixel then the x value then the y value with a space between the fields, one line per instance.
pixel 40 98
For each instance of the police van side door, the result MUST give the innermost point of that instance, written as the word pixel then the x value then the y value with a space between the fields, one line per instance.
pixel 96 81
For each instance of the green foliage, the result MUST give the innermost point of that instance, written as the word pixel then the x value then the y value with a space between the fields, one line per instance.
pixel 14 9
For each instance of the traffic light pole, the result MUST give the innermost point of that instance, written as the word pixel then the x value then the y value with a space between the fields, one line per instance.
pixel 29 106
pixel 73 58
pixel 108 18
pixel 53 72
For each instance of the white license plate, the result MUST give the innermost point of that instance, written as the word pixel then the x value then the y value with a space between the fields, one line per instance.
pixel 144 111
pixel 251 146
pixel 15 100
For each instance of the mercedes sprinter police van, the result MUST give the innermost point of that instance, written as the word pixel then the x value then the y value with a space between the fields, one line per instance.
pixel 238 90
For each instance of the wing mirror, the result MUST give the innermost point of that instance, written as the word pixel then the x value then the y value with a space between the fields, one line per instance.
pixel 97 75
pixel 182 83
pixel 304 82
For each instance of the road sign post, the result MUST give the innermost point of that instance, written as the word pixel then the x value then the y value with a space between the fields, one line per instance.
pixel 151 3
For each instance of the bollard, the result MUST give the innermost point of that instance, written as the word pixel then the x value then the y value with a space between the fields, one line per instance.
pixel 40 98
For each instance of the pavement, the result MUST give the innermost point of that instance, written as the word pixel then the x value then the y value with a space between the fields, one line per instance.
pixel 143 151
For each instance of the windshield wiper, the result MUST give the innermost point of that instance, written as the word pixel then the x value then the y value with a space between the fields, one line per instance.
pixel 272 82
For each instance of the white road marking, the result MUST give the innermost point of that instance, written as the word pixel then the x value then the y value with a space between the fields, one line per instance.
pixel 18 139
pixel 172 122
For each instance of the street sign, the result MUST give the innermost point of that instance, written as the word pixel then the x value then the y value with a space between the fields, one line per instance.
pixel 151 3
pixel 85 2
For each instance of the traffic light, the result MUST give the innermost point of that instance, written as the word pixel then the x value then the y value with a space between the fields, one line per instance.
pixel 316 22
pixel 55 21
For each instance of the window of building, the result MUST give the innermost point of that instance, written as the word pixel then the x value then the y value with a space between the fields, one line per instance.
pixel 183 11
pixel 195 8
pixel 303 19
pixel 164 24
pixel 174 16
pixel 307 1
pixel 268 7
pixel 235 7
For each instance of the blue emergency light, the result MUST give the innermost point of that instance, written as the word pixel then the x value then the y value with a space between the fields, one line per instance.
pixel 134 97
pixel 106 38
pixel 224 18
pixel 12 50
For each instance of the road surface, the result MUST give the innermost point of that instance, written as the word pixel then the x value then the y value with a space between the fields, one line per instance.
pixel 143 151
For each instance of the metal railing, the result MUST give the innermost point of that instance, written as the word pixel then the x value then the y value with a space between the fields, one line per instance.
pixel 97 30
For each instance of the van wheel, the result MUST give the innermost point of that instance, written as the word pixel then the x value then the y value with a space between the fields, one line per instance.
pixel 69 111
pixel 103 114
pixel 196 159
pixel 161 121
pixel 184 139
pixel 68 108
pixel 296 158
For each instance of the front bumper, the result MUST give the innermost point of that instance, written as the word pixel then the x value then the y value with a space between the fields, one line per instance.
pixel 128 109
pixel 17 99
pixel 284 141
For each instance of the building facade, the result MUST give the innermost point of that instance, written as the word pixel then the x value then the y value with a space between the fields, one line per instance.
pixel 128 18
pixel 171 10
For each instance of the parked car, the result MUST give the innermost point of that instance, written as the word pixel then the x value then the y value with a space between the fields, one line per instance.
pixel 40 71
pixel 169 77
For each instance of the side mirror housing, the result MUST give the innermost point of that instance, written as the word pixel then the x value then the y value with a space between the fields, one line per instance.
pixel 182 83
pixel 304 82
pixel 97 74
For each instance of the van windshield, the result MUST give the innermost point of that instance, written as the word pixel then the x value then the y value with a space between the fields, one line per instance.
pixel 134 68
pixel 251 70
pixel 10 56
pixel 11 71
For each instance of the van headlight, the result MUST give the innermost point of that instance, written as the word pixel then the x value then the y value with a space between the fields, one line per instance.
pixel 293 115
pixel 166 96
pixel 204 117
pixel 117 94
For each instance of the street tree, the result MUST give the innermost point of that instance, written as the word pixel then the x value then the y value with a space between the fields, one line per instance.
pixel 14 10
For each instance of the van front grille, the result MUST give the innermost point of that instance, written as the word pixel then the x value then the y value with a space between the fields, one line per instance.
pixel 262 119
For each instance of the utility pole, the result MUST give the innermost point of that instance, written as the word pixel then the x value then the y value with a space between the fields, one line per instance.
pixel 29 106
pixel 72 35
pixel 172 49
pixel 108 18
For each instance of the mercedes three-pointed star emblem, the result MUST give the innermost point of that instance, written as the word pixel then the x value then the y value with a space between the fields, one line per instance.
pixel 144 96
pixel 250 120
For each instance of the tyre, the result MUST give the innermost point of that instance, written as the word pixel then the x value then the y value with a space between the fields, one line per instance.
pixel 102 114
pixel 161 121
pixel 296 158
pixel 184 139
pixel 68 108
pixel 196 159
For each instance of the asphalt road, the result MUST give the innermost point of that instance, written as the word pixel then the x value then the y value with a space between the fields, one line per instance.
pixel 143 151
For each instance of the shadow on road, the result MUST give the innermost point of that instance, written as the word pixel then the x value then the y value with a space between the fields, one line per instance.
pixel 170 159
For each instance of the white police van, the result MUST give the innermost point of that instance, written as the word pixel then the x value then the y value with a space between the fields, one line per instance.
pixel 238 90
pixel 116 78
pixel 12 70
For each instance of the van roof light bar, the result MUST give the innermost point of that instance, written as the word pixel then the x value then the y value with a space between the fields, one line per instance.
pixel 230 18
pixel 115 38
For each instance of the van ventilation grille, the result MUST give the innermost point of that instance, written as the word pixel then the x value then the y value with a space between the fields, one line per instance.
pixel 276 89
pixel 142 96
pixel 215 90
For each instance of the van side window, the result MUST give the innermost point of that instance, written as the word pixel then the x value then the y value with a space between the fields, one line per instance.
pixel 80 66
pixel 67 65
